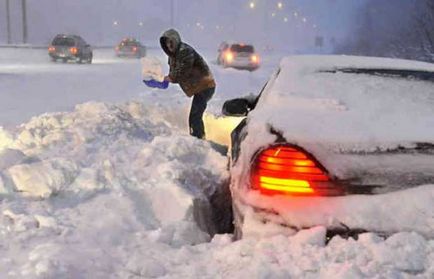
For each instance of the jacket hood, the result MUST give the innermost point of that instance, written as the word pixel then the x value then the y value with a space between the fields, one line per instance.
pixel 173 35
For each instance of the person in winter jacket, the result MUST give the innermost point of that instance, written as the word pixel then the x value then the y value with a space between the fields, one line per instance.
pixel 190 71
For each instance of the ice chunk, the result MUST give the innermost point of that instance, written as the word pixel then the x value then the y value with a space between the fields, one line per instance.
pixel 42 179
pixel 10 157
pixel 5 139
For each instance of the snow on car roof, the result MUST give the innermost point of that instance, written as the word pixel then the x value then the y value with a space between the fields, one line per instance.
pixel 309 102
pixel 317 62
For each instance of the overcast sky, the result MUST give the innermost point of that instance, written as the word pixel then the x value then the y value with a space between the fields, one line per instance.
pixel 294 26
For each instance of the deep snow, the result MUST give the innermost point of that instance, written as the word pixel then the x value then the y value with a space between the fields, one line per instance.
pixel 121 191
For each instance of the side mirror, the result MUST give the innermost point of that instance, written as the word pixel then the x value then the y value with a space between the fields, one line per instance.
pixel 236 107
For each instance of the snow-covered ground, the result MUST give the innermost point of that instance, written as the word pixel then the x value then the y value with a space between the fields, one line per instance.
pixel 107 184
pixel 31 85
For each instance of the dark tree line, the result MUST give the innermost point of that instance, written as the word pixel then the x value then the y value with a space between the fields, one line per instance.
pixel 398 28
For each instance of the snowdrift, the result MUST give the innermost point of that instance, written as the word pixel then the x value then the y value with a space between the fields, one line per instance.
pixel 112 192
pixel 83 184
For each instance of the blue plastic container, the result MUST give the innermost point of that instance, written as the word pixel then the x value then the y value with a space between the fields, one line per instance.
pixel 157 84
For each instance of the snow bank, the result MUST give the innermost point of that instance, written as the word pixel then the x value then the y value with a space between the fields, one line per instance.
pixel 44 178
pixel 111 192
pixel 96 181
pixel 305 255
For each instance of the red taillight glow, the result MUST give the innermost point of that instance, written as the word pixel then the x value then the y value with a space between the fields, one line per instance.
pixel 51 49
pixel 73 50
pixel 134 49
pixel 288 170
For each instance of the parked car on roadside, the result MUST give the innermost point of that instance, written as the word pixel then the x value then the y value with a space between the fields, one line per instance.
pixel 238 56
pixel 130 47
pixel 70 48
pixel 339 142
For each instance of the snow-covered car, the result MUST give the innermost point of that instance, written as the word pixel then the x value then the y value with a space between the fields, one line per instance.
pixel 70 48
pixel 336 141
pixel 238 56
pixel 130 47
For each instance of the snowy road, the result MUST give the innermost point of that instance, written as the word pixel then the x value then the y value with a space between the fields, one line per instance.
pixel 31 85
pixel 121 191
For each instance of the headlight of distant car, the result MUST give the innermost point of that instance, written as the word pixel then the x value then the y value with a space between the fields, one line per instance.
pixel 290 170
pixel 255 58
pixel 229 56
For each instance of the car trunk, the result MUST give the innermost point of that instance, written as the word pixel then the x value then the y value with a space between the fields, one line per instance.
pixel 368 128
pixel 62 51
pixel 128 49
pixel 380 171
pixel 371 129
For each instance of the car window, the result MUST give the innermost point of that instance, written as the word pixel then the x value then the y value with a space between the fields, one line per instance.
pixel 82 41
pixel 63 41
pixel 131 43
pixel 242 48
pixel 269 82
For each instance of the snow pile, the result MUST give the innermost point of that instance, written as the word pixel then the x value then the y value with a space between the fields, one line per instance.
pixel 305 255
pixel 112 192
pixel 152 69
pixel 91 183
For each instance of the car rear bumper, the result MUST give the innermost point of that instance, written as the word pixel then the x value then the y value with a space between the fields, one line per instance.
pixel 382 213
pixel 244 65
pixel 128 53
pixel 67 56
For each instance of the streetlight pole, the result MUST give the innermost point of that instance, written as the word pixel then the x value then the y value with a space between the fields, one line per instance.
pixel 8 22
pixel 24 13
pixel 172 13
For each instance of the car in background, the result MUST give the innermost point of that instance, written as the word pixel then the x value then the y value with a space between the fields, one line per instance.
pixel 70 48
pixel 338 142
pixel 130 47
pixel 238 56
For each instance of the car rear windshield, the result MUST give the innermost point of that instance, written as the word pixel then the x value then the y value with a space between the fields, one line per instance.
pixel 242 48
pixel 393 73
pixel 129 43
pixel 62 41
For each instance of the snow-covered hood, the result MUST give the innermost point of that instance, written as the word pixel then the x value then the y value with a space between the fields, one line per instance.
pixel 353 123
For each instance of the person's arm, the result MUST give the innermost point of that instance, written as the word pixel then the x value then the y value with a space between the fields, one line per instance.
pixel 167 78
pixel 183 66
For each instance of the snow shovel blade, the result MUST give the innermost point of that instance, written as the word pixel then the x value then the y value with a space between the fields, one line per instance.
pixel 157 84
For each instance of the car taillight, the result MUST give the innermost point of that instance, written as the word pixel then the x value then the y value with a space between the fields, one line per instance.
pixel 73 50
pixel 134 49
pixel 117 48
pixel 255 58
pixel 51 49
pixel 229 56
pixel 290 170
